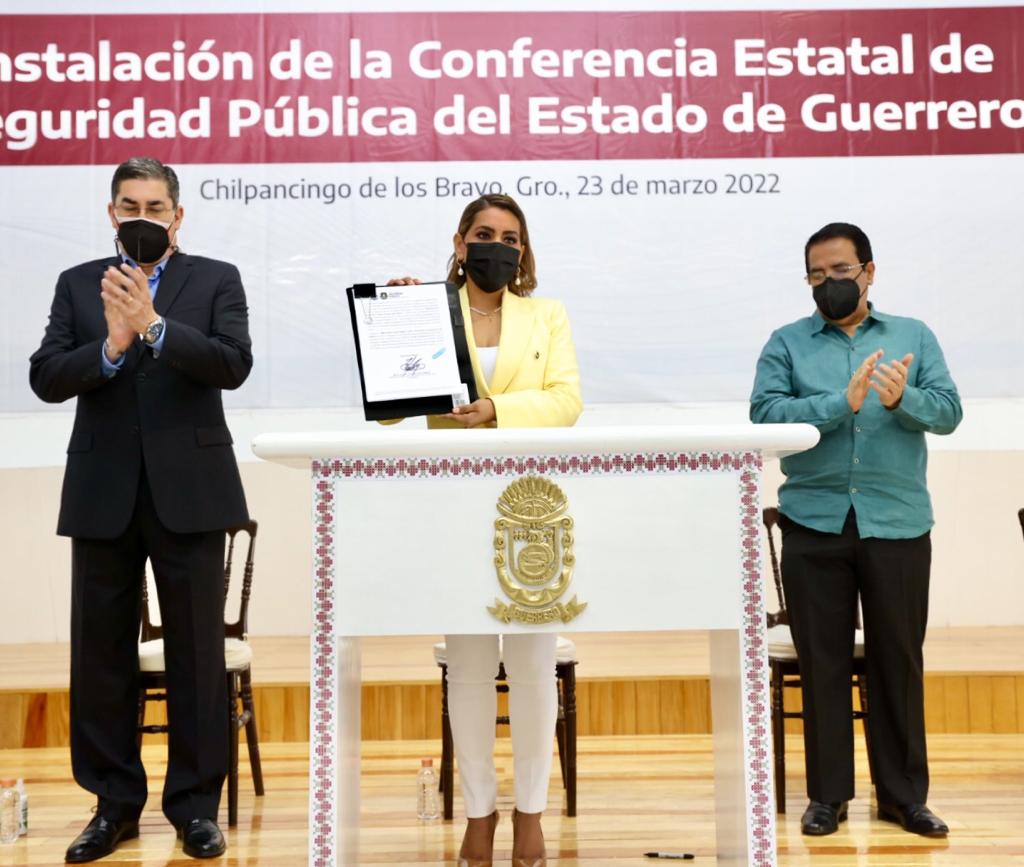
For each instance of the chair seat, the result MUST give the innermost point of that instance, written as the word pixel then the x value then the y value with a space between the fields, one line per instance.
pixel 780 643
pixel 565 651
pixel 237 655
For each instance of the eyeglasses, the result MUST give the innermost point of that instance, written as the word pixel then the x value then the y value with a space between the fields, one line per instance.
pixel 840 272
pixel 155 212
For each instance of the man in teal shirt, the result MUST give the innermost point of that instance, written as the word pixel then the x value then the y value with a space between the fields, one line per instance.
pixel 856 518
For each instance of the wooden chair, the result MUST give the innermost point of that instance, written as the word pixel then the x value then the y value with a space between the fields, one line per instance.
pixel 238 661
pixel 565 727
pixel 784 669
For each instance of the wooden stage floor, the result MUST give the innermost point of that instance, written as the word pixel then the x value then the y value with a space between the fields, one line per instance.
pixel 635 794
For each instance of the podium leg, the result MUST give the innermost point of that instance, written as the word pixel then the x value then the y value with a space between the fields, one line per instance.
pixel 350 683
pixel 727 740
pixel 335 692
pixel 334 741
pixel 743 826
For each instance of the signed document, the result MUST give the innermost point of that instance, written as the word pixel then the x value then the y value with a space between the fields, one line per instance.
pixel 412 351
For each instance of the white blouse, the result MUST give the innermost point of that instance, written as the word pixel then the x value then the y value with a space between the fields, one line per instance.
pixel 488 357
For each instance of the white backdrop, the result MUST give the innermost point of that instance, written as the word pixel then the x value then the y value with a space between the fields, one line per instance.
pixel 669 300
pixel 671 297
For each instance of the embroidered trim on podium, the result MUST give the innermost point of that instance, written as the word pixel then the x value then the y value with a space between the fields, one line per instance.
pixel 754 670
pixel 572 465
pixel 323 801
pixel 753 664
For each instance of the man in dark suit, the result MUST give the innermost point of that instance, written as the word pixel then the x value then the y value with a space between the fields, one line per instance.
pixel 146 341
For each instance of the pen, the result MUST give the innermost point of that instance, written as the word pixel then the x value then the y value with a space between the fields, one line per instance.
pixel 673 856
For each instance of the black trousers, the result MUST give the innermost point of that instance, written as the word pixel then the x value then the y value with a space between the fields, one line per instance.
pixel 106 603
pixel 822 575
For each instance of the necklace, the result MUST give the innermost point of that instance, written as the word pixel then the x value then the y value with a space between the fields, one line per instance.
pixel 485 313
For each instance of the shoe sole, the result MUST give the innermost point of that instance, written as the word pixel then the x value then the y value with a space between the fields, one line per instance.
pixel 808 832
pixel 203 856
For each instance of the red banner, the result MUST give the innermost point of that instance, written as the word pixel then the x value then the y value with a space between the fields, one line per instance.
pixel 375 87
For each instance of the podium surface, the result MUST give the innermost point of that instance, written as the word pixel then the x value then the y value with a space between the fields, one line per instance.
pixel 561 529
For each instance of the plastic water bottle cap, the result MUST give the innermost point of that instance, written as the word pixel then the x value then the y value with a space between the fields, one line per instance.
pixel 8 784
pixel 427 763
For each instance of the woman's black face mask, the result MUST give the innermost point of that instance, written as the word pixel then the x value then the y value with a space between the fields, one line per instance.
pixel 492 265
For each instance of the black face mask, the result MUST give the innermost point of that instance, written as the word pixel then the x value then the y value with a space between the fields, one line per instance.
pixel 492 266
pixel 837 299
pixel 144 241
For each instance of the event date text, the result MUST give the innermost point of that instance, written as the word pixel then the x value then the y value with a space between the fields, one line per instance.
pixel 593 185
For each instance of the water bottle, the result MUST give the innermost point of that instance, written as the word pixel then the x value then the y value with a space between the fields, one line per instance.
pixel 426 791
pixel 23 825
pixel 10 811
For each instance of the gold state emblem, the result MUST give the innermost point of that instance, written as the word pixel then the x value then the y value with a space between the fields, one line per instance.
pixel 533 553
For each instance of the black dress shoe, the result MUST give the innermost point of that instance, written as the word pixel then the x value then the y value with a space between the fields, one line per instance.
pixel 201 838
pixel 100 838
pixel 916 818
pixel 820 819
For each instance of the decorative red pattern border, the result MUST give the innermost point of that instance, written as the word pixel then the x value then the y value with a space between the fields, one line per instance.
pixel 754 676
pixel 323 758
pixel 754 669
pixel 659 462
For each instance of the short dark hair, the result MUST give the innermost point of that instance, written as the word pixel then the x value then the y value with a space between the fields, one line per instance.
pixel 145 168
pixel 840 230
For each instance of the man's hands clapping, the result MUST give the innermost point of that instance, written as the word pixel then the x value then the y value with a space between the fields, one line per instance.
pixel 860 382
pixel 127 305
pixel 888 380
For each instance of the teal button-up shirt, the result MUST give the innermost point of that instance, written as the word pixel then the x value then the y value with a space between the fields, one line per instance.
pixel 874 460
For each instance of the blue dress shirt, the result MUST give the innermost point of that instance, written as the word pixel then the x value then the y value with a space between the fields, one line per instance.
pixel 874 460
pixel 110 368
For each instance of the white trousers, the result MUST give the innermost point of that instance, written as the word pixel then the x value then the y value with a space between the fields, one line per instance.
pixel 533 709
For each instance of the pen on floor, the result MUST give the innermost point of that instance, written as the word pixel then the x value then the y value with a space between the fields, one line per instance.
pixel 671 856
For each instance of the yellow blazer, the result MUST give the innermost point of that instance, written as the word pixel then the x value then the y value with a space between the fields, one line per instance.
pixel 536 379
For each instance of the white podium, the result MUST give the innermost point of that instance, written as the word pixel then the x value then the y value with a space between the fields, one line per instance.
pixel 615 529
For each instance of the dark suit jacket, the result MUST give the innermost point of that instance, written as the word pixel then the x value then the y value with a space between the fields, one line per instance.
pixel 165 411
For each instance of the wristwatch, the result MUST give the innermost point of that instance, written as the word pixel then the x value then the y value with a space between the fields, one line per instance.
pixel 153 331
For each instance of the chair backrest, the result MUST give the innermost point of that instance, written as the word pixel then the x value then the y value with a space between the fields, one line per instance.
pixel 240 627
pixel 770 517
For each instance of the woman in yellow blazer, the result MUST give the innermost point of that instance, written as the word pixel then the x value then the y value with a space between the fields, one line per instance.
pixel 526 376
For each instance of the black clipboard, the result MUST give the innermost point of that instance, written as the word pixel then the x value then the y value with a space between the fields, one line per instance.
pixel 382 410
